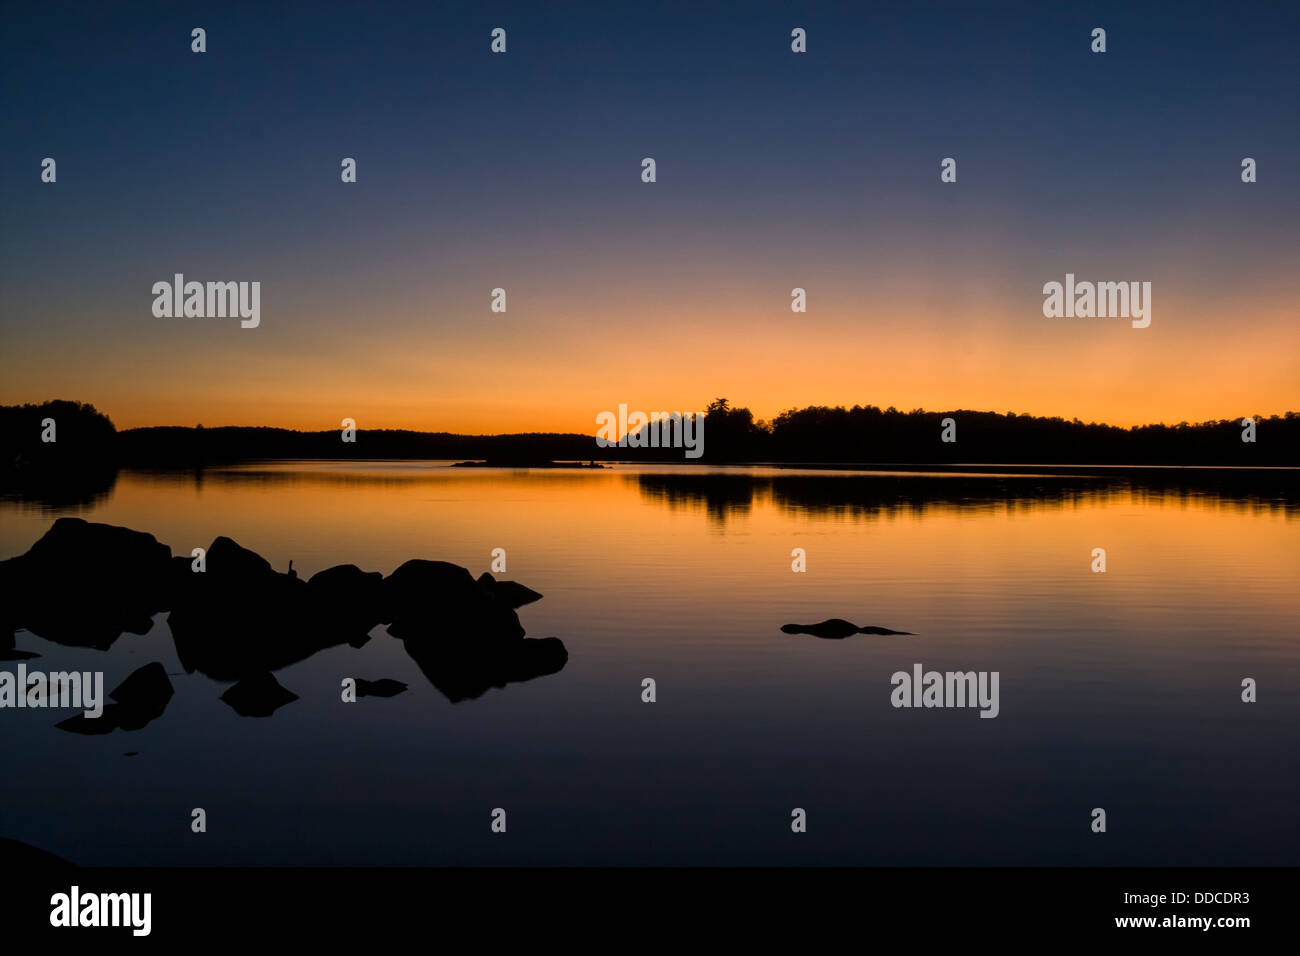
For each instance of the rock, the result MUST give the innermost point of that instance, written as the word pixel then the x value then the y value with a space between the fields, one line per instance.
pixel 836 629
pixel 509 592
pixel 436 600
pixel 379 688
pixel 83 584
pixel 240 617
pixel 259 695
pixel 348 594
pixel 229 562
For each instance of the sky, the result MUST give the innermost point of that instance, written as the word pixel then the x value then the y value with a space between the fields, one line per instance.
pixel 522 171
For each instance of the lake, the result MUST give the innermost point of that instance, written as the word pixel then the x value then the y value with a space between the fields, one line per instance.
pixel 1119 690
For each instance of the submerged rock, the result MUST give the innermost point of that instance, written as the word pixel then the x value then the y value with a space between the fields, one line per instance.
pixel 835 629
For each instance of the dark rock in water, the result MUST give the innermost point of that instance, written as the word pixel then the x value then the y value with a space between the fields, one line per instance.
pixel 240 617
pixel 349 595
pixel 230 562
pixel 436 600
pixel 138 700
pixel 83 584
pixel 379 688
pixel 836 629
pixel 465 669
pixel 131 753
pixel 464 634
pixel 259 695
pixel 509 592
pixel 535 657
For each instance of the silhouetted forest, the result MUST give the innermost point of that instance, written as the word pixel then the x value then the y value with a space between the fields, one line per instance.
pixel 82 460
pixel 59 453
pixel 866 434
pixel 209 446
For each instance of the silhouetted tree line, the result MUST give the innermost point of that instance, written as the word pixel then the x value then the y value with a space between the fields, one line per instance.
pixel 870 434
pixel 59 453
pixel 866 434
pixel 195 447
pixel 88 450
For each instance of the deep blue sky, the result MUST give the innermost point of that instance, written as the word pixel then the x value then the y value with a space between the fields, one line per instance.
pixel 522 170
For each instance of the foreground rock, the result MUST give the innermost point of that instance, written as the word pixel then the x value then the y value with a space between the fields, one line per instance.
pixel 240 617
pixel 430 601
pixel 353 598
pixel 836 629
pixel 511 592
pixel 84 584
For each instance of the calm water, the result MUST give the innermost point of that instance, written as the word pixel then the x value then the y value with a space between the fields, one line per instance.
pixel 1118 690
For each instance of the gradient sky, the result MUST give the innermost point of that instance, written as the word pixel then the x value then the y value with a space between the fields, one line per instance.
pixel 522 171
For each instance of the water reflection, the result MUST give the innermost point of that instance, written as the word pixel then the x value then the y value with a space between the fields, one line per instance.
pixel 727 495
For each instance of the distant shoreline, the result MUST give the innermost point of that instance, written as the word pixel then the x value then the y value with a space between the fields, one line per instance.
pixel 89 449
pixel 982 469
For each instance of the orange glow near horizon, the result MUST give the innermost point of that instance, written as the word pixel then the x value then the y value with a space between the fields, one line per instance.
pixel 552 364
